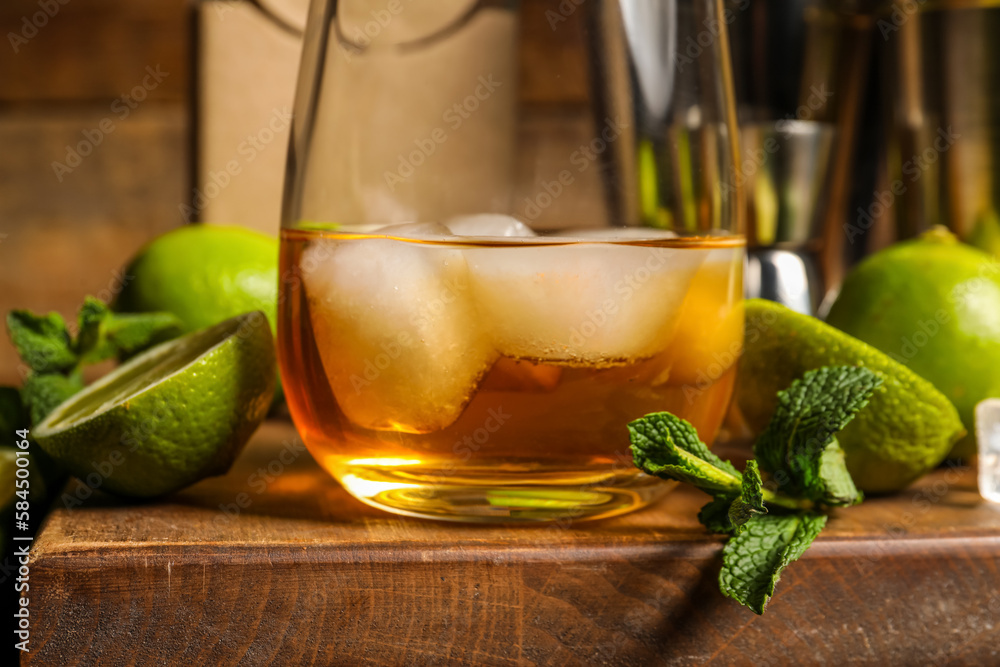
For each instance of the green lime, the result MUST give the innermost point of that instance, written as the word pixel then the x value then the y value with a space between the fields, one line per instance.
pixel 170 416
pixel 933 304
pixel 906 429
pixel 985 233
pixel 204 274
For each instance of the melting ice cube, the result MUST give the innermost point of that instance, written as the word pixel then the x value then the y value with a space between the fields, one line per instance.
pixel 581 303
pixel 413 230
pixel 489 225
pixel 619 234
pixel 988 435
pixel 396 331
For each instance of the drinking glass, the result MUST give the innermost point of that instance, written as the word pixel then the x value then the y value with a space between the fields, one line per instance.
pixel 509 229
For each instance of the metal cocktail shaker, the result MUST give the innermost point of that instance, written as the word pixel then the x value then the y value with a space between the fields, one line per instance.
pixel 799 68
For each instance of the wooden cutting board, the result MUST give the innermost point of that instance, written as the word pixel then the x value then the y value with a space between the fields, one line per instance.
pixel 293 570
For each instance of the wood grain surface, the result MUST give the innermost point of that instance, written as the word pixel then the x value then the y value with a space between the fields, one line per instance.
pixel 275 564
pixel 91 50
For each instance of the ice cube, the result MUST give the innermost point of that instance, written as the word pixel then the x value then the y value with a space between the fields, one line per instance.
pixel 581 303
pixel 618 234
pixel 413 230
pixel 488 225
pixel 988 435
pixel 396 330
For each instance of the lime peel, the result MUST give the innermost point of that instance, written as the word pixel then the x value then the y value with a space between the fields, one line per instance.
pixel 172 415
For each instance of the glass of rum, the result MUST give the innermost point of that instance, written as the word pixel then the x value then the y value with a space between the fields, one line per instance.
pixel 499 248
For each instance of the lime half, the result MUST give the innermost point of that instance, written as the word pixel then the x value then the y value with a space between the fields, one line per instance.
pixel 171 416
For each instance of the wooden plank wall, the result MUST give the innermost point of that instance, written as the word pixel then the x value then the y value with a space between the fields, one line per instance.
pixel 66 234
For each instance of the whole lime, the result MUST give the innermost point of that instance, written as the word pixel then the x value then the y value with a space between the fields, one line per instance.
pixel 933 304
pixel 906 429
pixel 204 274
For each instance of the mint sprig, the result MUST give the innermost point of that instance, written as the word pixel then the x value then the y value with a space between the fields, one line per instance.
pixel 807 471
pixel 42 341
pixel 55 358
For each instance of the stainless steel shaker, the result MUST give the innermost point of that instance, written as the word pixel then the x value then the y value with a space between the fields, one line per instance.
pixel 799 68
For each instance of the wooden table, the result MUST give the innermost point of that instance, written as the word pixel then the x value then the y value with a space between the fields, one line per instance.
pixel 301 572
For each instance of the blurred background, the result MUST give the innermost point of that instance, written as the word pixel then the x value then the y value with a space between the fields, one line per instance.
pixel 66 235
pixel 121 120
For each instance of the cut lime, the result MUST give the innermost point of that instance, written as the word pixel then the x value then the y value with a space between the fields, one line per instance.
pixel 172 415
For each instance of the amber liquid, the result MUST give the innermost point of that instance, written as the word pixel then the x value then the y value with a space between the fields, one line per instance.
pixel 531 439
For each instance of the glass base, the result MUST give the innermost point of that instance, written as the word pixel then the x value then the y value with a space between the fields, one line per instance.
pixel 489 498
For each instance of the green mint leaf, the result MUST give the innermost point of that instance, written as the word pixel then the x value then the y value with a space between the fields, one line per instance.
pixel 715 515
pixel 809 413
pixel 89 339
pixel 12 414
pixel 838 486
pixel 753 561
pixel 132 334
pixel 750 502
pixel 107 335
pixel 42 341
pixel 667 446
pixel 42 392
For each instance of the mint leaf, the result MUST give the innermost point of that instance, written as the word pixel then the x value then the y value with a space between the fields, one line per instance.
pixel 42 392
pixel 750 502
pixel 107 335
pixel 838 485
pixel 667 446
pixel 12 415
pixel 132 334
pixel 42 341
pixel 808 414
pixel 753 561
pixel 715 515
pixel 92 315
